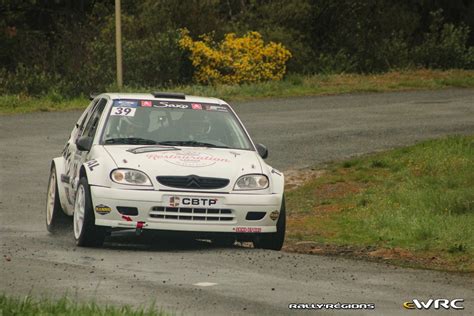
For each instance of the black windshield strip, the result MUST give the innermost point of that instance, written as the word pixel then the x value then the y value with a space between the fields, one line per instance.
pixel 166 104
pixel 190 143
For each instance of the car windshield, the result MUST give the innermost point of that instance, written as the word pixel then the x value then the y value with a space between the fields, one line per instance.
pixel 176 123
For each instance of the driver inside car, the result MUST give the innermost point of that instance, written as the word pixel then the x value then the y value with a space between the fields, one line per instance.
pixel 129 127
pixel 195 125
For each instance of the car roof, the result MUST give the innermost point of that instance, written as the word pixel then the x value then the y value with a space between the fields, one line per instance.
pixel 149 96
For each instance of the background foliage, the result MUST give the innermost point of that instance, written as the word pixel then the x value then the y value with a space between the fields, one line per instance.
pixel 67 46
pixel 235 60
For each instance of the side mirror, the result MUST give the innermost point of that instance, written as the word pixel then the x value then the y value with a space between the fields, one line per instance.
pixel 262 151
pixel 84 143
pixel 93 95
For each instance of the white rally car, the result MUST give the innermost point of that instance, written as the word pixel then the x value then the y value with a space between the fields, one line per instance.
pixel 165 161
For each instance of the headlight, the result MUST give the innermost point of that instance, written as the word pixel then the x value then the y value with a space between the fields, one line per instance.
pixel 251 182
pixel 130 177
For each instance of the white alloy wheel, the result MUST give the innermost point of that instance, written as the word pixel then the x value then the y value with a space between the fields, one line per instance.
pixel 51 197
pixel 79 211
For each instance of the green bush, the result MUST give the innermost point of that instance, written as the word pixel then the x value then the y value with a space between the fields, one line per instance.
pixel 28 80
pixel 336 63
pixel 153 59
pixel 445 46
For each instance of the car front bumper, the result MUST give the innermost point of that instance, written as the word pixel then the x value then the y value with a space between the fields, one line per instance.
pixel 228 215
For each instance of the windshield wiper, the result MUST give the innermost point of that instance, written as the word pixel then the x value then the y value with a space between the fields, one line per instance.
pixel 151 148
pixel 191 143
pixel 130 141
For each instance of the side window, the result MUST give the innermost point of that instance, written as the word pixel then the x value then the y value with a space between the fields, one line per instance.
pixel 93 121
pixel 82 121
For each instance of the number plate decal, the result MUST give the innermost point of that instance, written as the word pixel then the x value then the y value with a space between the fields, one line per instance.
pixel 185 201
pixel 123 111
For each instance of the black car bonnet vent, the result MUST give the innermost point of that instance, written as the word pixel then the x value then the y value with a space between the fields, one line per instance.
pixel 169 95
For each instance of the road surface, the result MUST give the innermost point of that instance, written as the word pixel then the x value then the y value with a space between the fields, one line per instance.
pixel 193 277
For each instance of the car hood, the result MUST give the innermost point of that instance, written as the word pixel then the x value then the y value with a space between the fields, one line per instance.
pixel 184 161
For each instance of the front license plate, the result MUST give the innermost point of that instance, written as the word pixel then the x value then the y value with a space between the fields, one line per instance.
pixel 192 201
pixel 248 229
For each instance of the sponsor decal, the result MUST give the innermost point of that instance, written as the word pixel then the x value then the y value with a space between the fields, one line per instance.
pixel 218 108
pixel 274 215
pixel 248 229
pixel 91 164
pixel 64 178
pixel 196 106
pixel 146 103
pixel 126 103
pixel 188 158
pixel 102 209
pixel 165 104
pixel 435 304
pixel 174 201
pixel 123 111
pixel 199 201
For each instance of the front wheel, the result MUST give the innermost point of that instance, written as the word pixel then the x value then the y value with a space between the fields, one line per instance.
pixel 274 241
pixel 56 219
pixel 86 233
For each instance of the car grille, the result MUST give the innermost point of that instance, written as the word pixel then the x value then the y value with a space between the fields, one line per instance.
pixel 192 214
pixel 192 182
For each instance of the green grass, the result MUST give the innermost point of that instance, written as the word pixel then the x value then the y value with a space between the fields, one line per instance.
pixel 419 198
pixel 293 85
pixel 28 306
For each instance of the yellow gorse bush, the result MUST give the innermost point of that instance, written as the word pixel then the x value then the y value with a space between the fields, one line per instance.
pixel 235 60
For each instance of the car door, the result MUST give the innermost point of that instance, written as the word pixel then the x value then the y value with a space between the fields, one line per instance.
pixel 70 148
pixel 77 157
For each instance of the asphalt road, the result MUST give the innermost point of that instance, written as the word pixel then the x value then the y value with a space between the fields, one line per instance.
pixel 193 277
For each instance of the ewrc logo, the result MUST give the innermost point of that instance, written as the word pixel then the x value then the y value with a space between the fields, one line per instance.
pixel 436 304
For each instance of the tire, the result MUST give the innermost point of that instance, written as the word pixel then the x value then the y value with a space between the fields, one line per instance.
pixel 86 233
pixel 56 219
pixel 273 241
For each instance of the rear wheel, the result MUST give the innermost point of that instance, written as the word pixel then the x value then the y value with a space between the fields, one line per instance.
pixel 56 219
pixel 273 241
pixel 86 233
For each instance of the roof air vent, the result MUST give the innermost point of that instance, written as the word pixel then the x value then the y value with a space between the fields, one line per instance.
pixel 169 95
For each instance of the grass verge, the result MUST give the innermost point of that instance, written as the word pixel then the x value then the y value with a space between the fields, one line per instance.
pixel 413 205
pixel 293 85
pixel 32 307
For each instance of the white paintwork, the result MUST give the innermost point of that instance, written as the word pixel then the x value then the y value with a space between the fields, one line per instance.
pixel 212 162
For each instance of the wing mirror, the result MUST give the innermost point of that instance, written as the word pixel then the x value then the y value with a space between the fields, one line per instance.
pixel 262 151
pixel 84 143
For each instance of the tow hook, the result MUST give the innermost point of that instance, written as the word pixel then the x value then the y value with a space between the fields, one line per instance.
pixel 139 228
